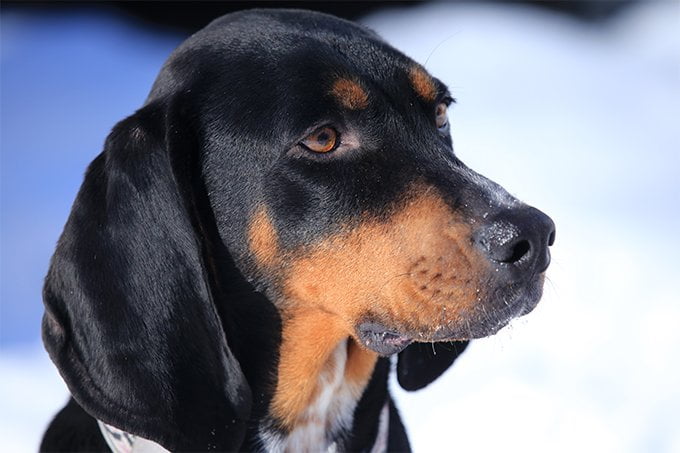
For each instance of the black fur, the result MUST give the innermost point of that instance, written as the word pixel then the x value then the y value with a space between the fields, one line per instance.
pixel 156 315
pixel 422 363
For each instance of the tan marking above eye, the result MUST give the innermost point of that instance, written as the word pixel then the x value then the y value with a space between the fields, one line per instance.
pixel 422 83
pixel 350 94
pixel 322 140
pixel 441 115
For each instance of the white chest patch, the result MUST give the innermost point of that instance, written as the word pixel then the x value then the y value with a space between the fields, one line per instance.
pixel 329 414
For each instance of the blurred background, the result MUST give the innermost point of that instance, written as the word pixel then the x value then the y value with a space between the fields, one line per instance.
pixel 573 106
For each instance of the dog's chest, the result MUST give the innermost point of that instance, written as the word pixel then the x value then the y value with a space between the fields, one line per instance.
pixel 327 417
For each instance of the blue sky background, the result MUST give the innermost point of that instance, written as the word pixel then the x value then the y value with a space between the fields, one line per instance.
pixel 579 120
pixel 67 78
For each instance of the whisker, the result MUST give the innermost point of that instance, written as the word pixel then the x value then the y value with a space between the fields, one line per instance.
pixel 405 274
pixel 442 42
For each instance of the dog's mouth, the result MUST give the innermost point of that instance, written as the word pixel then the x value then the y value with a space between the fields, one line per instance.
pixel 487 318
pixel 379 338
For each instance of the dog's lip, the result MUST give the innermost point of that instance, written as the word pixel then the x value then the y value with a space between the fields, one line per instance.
pixel 381 339
pixel 510 301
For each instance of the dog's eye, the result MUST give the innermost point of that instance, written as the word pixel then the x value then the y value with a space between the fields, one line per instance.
pixel 322 140
pixel 441 117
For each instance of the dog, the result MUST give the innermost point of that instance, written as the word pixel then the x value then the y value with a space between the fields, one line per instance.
pixel 283 214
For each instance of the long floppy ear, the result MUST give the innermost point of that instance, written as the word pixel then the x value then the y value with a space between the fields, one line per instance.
pixel 129 316
pixel 421 363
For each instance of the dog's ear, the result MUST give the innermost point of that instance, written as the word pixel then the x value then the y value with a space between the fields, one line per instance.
pixel 421 363
pixel 129 316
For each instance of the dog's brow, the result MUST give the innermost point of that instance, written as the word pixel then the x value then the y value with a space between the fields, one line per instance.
pixel 350 94
pixel 422 83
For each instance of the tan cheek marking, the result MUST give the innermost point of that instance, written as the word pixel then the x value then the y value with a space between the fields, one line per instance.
pixel 262 238
pixel 350 94
pixel 418 271
pixel 422 83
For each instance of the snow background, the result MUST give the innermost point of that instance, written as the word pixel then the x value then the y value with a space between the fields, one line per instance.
pixel 579 120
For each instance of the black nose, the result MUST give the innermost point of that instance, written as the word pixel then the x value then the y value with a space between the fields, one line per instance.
pixel 518 237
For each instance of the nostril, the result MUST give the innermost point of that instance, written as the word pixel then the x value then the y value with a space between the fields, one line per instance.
pixel 518 238
pixel 518 251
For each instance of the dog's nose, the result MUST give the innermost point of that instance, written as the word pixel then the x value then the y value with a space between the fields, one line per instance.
pixel 518 237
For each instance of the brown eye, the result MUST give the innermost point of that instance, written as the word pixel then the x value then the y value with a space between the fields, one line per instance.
pixel 441 117
pixel 321 140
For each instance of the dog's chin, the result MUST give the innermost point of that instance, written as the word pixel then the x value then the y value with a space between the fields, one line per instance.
pixel 504 304
pixel 381 339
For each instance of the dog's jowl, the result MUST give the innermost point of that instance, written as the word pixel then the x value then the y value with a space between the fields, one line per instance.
pixel 283 214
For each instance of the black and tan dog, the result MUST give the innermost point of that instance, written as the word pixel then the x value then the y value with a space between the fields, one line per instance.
pixel 283 213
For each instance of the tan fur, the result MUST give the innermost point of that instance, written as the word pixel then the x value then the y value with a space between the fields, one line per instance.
pixel 415 271
pixel 360 364
pixel 350 94
pixel 422 83
pixel 309 337
pixel 262 238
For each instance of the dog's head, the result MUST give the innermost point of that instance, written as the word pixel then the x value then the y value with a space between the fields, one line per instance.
pixel 318 159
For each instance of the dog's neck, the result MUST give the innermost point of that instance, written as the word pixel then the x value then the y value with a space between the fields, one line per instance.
pixel 321 375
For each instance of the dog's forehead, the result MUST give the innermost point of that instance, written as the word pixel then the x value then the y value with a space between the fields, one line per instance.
pixel 271 51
